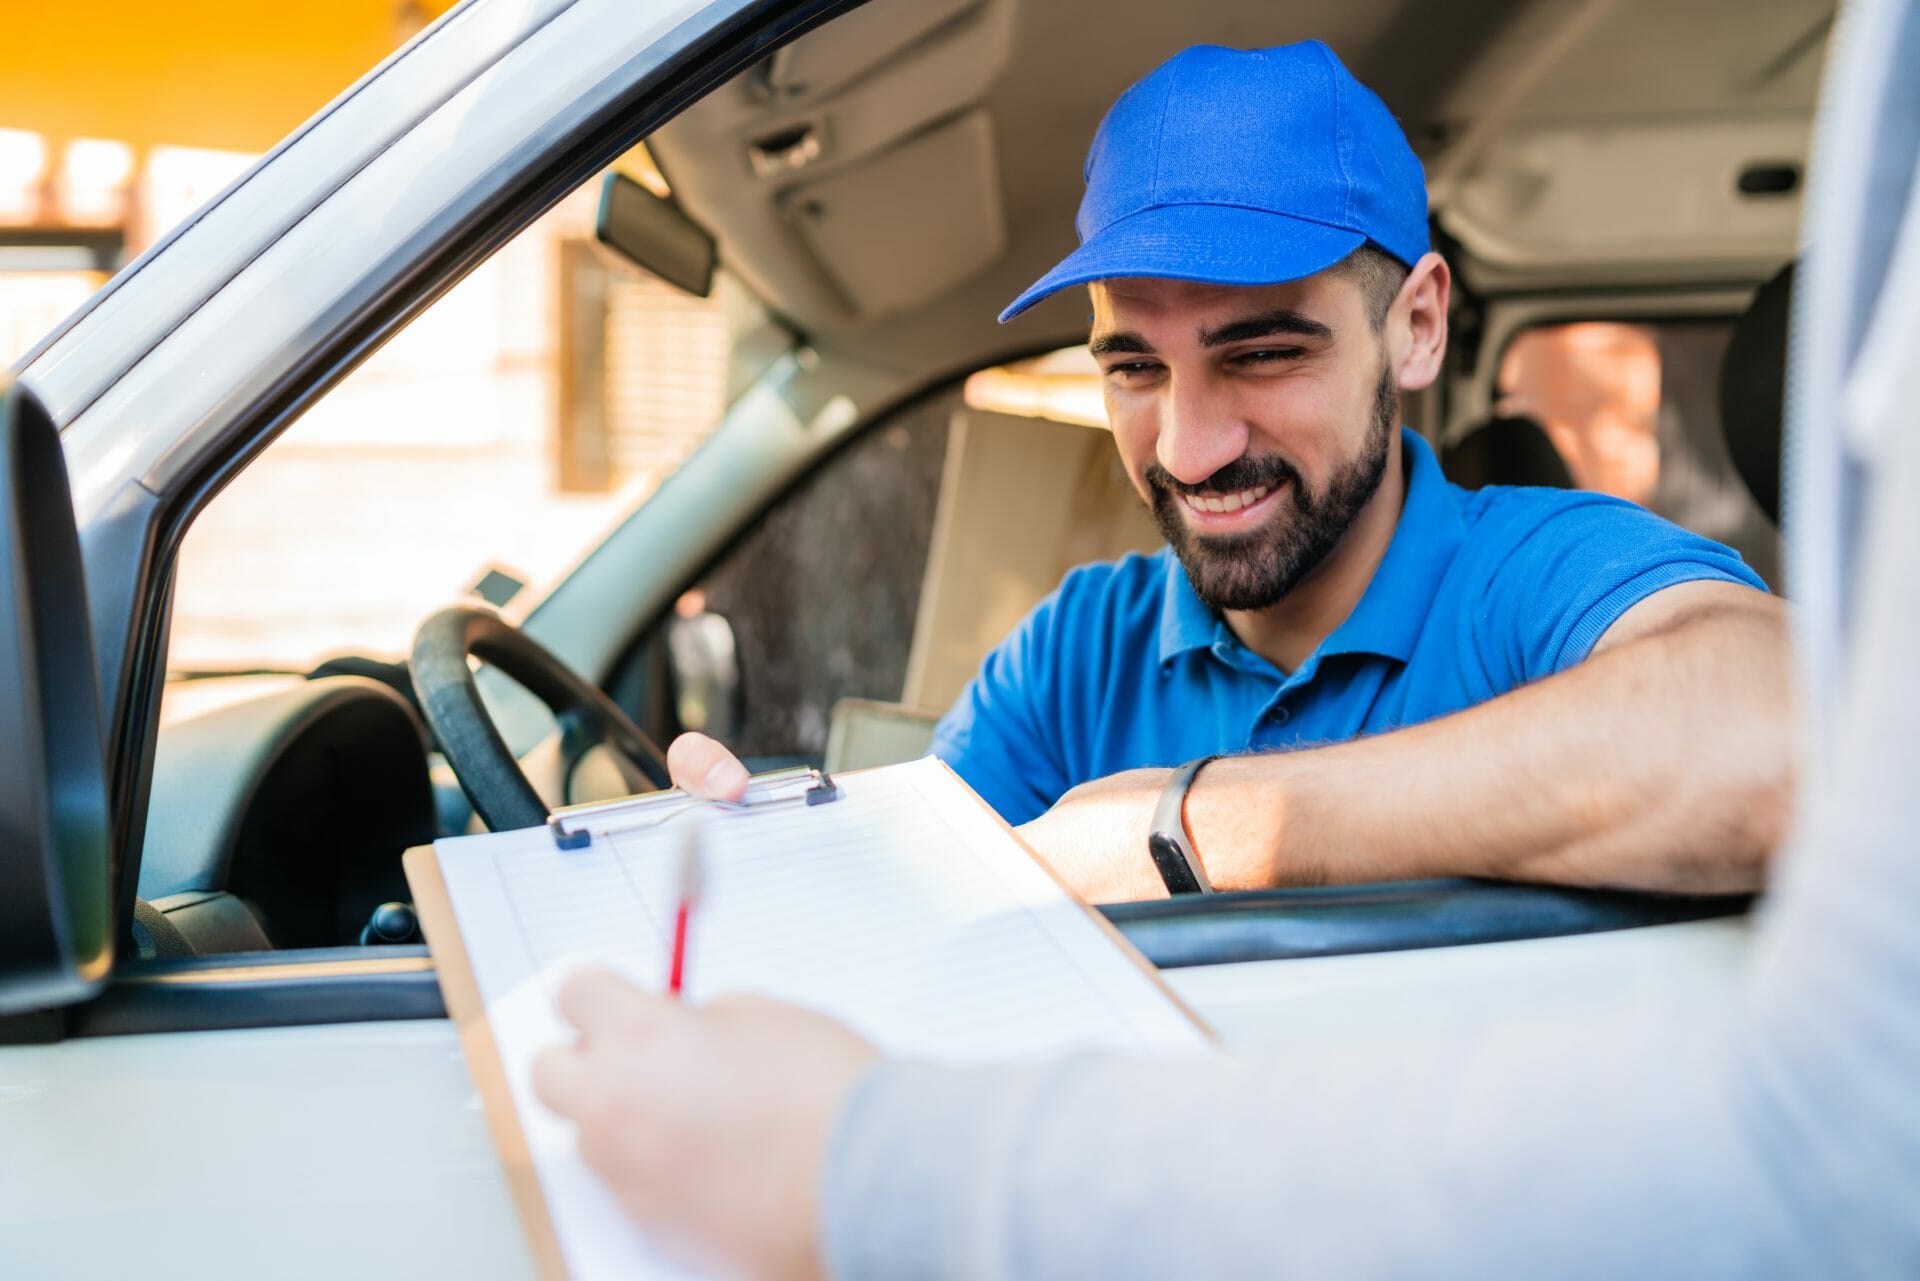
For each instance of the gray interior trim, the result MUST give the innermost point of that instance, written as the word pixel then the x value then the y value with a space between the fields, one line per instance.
pixel 1268 925
pixel 274 989
pixel 211 769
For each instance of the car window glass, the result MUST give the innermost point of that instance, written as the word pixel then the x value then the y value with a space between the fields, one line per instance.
pixel 889 572
pixel 1061 386
pixel 482 451
pixel 818 599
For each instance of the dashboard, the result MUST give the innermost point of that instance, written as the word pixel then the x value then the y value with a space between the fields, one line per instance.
pixel 278 821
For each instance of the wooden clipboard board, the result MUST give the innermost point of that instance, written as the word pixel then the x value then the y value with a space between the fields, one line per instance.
pixel 461 991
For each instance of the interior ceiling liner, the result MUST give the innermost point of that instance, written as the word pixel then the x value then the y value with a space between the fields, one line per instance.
pixel 905 226
pixel 861 40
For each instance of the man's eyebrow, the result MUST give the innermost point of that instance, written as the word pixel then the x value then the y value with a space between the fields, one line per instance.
pixel 1119 343
pixel 1265 325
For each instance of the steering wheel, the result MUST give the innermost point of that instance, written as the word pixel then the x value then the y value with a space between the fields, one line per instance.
pixel 488 772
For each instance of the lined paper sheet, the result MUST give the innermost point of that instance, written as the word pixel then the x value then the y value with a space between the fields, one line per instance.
pixel 904 909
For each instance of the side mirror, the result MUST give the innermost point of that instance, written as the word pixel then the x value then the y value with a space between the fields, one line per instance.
pixel 653 234
pixel 56 878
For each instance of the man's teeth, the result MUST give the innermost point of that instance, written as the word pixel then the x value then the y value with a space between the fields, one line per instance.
pixel 1227 502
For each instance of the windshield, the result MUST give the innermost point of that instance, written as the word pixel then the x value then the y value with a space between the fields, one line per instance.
pixel 484 450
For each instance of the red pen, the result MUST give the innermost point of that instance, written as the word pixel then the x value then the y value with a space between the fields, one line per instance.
pixel 690 873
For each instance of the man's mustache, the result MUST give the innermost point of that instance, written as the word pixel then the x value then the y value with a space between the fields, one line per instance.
pixel 1240 474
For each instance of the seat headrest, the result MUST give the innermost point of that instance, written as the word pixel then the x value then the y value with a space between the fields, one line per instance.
pixel 1511 450
pixel 1753 379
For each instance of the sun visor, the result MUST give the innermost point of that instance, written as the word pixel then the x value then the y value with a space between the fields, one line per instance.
pixel 904 227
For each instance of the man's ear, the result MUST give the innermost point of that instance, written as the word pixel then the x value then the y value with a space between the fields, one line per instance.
pixel 1417 323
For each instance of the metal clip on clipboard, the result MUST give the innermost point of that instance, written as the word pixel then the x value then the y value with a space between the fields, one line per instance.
pixel 572 826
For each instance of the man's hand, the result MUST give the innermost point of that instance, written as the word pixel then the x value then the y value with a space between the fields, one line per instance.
pixel 701 766
pixel 1095 837
pixel 709 1125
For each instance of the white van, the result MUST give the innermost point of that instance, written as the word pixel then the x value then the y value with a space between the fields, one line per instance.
pixel 212 1060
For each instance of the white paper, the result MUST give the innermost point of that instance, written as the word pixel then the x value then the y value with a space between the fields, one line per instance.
pixel 903 909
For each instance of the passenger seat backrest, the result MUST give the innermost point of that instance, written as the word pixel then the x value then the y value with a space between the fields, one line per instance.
pixel 865 732
pixel 1022 501
pixel 1505 451
pixel 1753 377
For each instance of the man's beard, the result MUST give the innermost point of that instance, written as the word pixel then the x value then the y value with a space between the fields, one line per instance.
pixel 1256 569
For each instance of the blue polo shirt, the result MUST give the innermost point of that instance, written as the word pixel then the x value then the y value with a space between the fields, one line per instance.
pixel 1480 592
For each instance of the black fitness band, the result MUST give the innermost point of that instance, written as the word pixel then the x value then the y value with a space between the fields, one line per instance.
pixel 1172 852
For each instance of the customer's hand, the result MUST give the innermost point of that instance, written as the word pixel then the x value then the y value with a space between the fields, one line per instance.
pixel 709 1123
pixel 703 767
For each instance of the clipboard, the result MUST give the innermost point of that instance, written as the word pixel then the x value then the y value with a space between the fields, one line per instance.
pixel 461 992
pixel 572 827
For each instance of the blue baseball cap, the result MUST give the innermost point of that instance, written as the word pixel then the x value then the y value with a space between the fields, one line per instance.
pixel 1243 167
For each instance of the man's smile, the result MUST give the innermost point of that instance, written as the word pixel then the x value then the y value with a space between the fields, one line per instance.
pixel 1228 512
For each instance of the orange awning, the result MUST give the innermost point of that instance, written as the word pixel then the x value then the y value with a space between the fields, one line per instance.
pixel 224 74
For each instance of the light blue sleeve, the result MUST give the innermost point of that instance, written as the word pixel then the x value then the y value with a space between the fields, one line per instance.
pixel 1770 1130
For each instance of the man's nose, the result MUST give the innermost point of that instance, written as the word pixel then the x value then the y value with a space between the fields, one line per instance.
pixel 1200 432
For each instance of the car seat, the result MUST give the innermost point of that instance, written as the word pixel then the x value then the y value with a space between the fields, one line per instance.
pixel 1753 378
pixel 1505 450
pixel 985 571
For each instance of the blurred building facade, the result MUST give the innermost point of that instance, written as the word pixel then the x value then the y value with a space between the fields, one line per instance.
pixel 504 429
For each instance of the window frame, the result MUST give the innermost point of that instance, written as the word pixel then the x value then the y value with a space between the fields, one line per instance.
pixel 130 534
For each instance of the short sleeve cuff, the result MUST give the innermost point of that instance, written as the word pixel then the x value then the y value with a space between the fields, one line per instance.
pixel 1593 623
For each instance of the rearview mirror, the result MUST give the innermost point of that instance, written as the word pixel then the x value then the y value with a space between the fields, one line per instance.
pixel 653 234
pixel 56 882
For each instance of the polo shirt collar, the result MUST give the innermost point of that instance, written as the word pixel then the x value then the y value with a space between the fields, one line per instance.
pixel 1391 612
pixel 1185 623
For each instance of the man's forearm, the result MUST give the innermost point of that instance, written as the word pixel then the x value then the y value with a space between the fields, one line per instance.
pixel 1662 763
